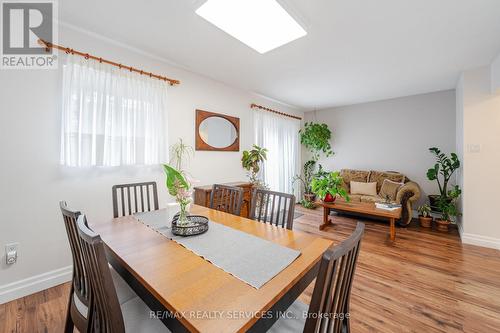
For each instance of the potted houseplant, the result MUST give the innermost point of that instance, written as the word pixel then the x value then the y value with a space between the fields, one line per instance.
pixel 251 161
pixel 316 139
pixel 448 209
pixel 424 216
pixel 180 188
pixel 180 153
pixel 305 179
pixel 328 187
pixel 442 171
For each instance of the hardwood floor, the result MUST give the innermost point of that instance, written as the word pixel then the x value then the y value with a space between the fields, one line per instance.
pixel 426 281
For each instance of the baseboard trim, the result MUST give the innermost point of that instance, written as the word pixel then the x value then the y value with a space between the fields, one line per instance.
pixel 479 240
pixel 18 289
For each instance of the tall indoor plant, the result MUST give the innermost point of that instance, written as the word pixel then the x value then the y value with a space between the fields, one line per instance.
pixel 315 138
pixel 180 153
pixel 305 180
pixel 442 171
pixel 448 208
pixel 329 186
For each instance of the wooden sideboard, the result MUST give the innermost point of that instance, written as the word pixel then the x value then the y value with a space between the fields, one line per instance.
pixel 202 195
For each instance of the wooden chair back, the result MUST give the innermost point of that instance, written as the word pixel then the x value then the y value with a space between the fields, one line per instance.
pixel 105 315
pixel 79 286
pixel 132 198
pixel 329 308
pixel 273 207
pixel 226 198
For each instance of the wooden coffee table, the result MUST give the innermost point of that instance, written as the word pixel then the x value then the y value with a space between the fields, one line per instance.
pixel 361 208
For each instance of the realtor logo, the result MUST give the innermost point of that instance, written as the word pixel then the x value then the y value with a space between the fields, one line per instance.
pixel 23 25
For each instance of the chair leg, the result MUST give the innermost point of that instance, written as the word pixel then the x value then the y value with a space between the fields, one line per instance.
pixel 69 325
pixel 347 326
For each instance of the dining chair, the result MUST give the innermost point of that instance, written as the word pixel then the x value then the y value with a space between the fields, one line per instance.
pixel 273 207
pixel 77 313
pixel 226 198
pixel 329 308
pixel 135 197
pixel 106 314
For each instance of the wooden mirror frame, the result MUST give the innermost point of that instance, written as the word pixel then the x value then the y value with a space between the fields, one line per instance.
pixel 202 145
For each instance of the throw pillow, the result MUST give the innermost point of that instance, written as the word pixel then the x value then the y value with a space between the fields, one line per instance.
pixel 364 188
pixel 389 189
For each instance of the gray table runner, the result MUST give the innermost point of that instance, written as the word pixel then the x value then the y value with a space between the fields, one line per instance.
pixel 249 258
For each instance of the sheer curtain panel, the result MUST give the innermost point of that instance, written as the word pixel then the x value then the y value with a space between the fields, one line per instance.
pixel 280 135
pixel 111 116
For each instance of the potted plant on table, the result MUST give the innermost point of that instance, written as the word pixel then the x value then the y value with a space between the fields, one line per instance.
pixel 251 161
pixel 448 209
pixel 442 171
pixel 424 216
pixel 328 187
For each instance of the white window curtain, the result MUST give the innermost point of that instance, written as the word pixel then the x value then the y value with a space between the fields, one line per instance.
pixel 280 135
pixel 111 116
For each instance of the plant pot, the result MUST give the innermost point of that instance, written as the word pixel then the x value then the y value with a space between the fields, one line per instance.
pixel 442 225
pixel 425 222
pixel 329 198
pixel 434 200
pixel 311 197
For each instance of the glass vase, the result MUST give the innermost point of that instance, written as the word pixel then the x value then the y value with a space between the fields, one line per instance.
pixel 183 214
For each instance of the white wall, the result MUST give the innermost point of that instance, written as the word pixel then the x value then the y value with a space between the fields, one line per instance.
pixel 481 156
pixel 33 182
pixel 459 92
pixel 392 134
pixel 495 75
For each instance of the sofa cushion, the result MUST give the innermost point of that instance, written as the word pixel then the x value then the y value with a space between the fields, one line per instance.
pixel 349 175
pixel 389 189
pixel 363 188
pixel 371 198
pixel 355 197
pixel 380 176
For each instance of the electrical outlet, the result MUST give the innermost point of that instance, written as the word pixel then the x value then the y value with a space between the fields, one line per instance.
pixel 11 253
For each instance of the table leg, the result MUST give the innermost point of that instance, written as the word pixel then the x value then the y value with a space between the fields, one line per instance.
pixel 326 218
pixel 393 229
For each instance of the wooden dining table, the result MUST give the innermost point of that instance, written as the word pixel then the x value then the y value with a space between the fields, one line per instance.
pixel 188 293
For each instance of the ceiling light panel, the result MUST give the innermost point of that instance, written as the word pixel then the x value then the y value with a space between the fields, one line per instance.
pixel 261 24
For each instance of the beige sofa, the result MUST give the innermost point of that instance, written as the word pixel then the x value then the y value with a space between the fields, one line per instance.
pixel 406 195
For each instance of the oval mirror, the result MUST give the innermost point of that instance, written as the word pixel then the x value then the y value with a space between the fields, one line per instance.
pixel 218 132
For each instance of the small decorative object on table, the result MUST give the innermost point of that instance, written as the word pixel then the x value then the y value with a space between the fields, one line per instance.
pixel 387 206
pixel 424 216
pixel 180 187
pixel 196 225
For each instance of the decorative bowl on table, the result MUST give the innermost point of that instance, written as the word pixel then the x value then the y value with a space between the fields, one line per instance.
pixel 196 225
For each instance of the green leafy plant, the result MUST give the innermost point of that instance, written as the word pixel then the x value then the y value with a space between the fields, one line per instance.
pixel 251 161
pixel 307 204
pixel 447 205
pixel 307 176
pixel 316 138
pixel 443 169
pixel 424 210
pixel 332 183
pixel 180 188
pixel 321 172
pixel 180 153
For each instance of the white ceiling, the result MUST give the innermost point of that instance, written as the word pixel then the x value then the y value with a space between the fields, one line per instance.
pixel 355 50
